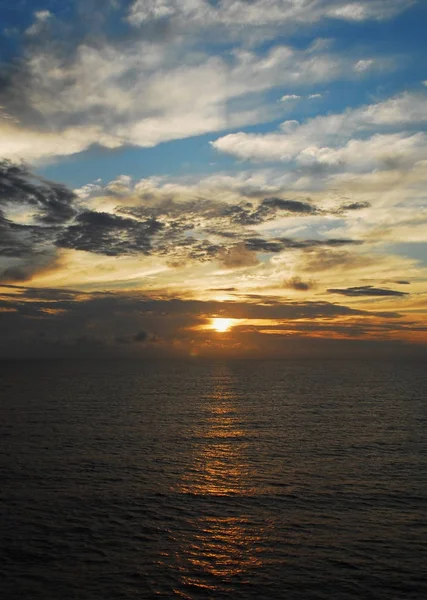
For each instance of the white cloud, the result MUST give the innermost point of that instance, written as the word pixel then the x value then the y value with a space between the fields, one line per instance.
pixel 42 15
pixel 363 65
pixel 150 10
pixel 261 13
pixel 144 94
pixel 18 143
pixel 40 18
pixel 289 97
pixel 379 151
pixel 327 139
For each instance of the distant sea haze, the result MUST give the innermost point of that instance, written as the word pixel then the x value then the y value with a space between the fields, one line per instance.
pixel 213 479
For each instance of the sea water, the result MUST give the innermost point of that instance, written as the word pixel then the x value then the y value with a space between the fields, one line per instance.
pixel 213 479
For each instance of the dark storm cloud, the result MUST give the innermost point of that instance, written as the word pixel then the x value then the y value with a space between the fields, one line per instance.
pixel 262 245
pixel 28 267
pixel 366 290
pixel 30 241
pixel 14 274
pixel 184 215
pixel 15 240
pixel 104 233
pixel 51 202
pixel 51 322
pixel 25 250
pixel 141 336
pixel 33 212
pixel 38 217
pixel 57 223
pixel 18 240
pixel 105 305
pixel 15 86
pixel 280 244
pixel 296 283
pixel 336 242
pixel 43 294
pixel 292 206
pixel 231 222
pixel 352 206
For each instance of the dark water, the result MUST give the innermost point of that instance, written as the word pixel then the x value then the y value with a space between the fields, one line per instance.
pixel 304 480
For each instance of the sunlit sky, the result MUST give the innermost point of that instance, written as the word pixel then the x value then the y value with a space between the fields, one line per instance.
pixel 213 178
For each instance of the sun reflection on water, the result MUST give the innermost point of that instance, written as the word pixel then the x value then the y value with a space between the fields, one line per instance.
pixel 219 466
pixel 220 546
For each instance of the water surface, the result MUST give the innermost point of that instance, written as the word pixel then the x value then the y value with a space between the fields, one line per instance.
pixel 196 479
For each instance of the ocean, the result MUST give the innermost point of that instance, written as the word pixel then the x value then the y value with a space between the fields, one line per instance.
pixel 213 479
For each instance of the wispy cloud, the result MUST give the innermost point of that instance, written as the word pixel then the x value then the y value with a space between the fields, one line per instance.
pixel 331 140
pixel 68 91
pixel 367 290
pixel 272 13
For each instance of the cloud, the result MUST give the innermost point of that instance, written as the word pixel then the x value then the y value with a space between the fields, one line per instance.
pixel 40 219
pixel 67 323
pixel 75 87
pixel 392 151
pixel 215 213
pixel 353 206
pixel 41 17
pixel 32 211
pixel 141 336
pixel 104 233
pixel 366 290
pixel 51 203
pixel 296 283
pixel 318 260
pixel 340 200
pixel 188 234
pixel 33 263
pixel 260 13
pixel 279 244
pixel 363 65
pixel 327 140
pixel 292 206
pixel 289 97
pixel 293 97
pixel 238 257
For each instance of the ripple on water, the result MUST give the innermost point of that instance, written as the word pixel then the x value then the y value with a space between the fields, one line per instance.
pixel 223 480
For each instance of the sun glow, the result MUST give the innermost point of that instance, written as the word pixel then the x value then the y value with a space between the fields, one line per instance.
pixel 222 325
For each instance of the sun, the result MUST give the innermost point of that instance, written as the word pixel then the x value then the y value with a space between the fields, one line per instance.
pixel 221 325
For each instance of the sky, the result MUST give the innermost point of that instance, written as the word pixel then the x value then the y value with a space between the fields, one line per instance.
pixel 213 178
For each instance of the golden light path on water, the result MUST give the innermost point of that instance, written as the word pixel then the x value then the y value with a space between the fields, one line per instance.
pixel 223 547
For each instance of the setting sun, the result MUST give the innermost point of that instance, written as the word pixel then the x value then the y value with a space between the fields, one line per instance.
pixel 222 325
